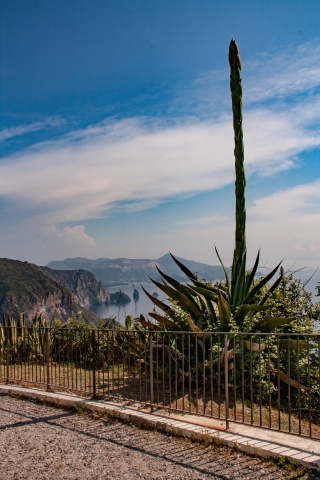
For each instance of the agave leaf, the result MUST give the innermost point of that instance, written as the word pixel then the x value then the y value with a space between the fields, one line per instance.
pixel 295 344
pixel 208 307
pixel 212 313
pixel 259 285
pixel 225 273
pixel 224 312
pixel 128 322
pixel 164 321
pixel 293 383
pixel 244 309
pixel 271 322
pixel 251 275
pixel 165 288
pixel 189 306
pixel 185 270
pixel 254 347
pixel 184 301
pixel 223 288
pixel 175 284
pixel 150 325
pixel 254 307
pixel 230 355
pixel 273 287
pixel 194 327
pixel 208 294
pixel 169 311
pixel 175 293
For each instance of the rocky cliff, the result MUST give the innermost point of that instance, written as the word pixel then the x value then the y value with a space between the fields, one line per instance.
pixel 25 288
pixel 87 291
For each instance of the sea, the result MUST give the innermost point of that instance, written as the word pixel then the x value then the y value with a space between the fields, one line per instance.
pixel 143 305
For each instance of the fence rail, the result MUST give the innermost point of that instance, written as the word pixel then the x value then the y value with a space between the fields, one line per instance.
pixel 266 380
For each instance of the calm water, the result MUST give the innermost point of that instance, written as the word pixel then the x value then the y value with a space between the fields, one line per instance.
pixel 143 305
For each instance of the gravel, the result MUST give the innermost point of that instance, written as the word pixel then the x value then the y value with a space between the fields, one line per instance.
pixel 40 441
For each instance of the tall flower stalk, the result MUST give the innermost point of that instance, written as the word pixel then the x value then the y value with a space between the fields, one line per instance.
pixel 228 306
pixel 239 256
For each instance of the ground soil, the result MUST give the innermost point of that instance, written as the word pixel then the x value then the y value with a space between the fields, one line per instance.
pixel 40 441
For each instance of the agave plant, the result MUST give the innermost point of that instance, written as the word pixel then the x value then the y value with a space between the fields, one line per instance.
pixel 231 306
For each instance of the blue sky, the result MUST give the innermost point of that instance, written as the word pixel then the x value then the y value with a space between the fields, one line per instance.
pixel 116 130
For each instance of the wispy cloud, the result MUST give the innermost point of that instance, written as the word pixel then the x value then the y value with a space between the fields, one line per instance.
pixel 275 78
pixel 291 71
pixel 19 130
pixel 301 199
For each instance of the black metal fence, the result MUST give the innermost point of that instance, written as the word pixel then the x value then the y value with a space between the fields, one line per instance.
pixel 266 380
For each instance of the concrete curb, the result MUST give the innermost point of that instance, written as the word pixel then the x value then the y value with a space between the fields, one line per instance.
pixel 246 444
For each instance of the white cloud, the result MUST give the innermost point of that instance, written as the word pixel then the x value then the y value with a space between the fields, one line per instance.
pixel 74 235
pixel 66 242
pixel 130 165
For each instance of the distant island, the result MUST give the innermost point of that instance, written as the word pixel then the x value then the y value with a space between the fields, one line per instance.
pixel 125 270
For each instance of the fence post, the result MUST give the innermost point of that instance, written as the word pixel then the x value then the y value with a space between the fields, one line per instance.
pixel 226 378
pixel 47 358
pixel 94 386
pixel 7 356
pixel 151 371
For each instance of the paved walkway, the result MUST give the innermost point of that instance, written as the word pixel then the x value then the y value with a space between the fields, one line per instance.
pixel 44 442
pixel 39 441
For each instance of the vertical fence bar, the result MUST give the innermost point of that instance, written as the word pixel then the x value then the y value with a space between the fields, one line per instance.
pixel 251 384
pixel 176 371
pixel 203 377
pixel 226 383
pixel 234 379
pixel 163 371
pixel 151 371
pixel 157 366
pixel 189 371
pixel 260 384
pixel 242 378
pixel 278 375
pixel 219 377
pixel 47 358
pixel 289 388
pixel 299 391
pixel 7 355
pixel 94 386
pixel 211 377
pixel 197 374
pixel 309 388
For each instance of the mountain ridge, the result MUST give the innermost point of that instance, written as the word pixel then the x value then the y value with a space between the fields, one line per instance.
pixel 114 271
